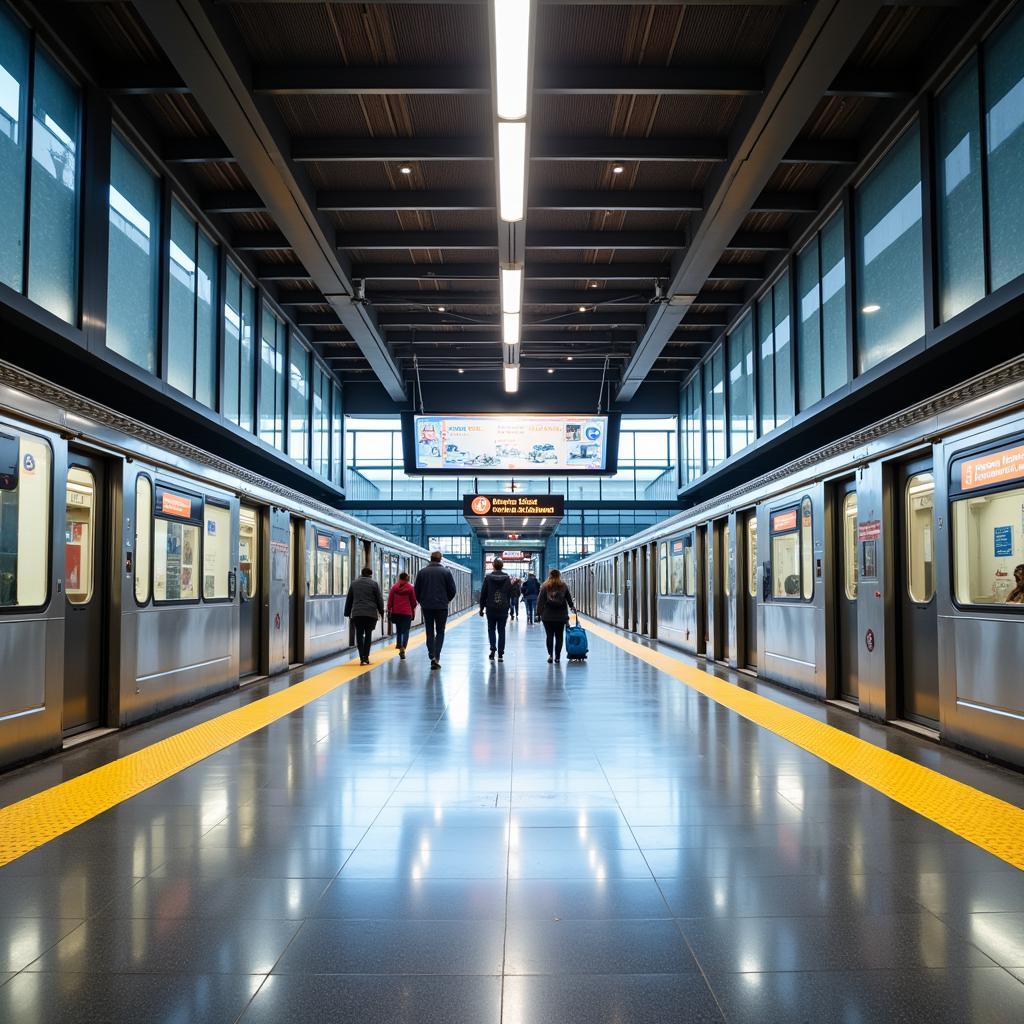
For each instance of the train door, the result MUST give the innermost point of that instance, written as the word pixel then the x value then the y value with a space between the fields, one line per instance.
pixel 847 633
pixel 627 592
pixel 748 587
pixel 85 594
pixel 715 575
pixel 296 582
pixel 701 578
pixel 918 635
pixel 644 588
pixel 635 590
pixel 250 583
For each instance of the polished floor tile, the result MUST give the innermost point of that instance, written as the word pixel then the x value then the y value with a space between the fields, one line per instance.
pixel 519 844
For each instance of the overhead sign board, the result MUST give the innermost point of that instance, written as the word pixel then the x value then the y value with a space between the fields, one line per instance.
pixel 525 443
pixel 999 467
pixel 528 506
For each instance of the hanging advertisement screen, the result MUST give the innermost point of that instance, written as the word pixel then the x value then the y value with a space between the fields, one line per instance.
pixel 538 444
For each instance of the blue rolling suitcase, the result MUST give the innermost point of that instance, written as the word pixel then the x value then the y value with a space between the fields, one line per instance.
pixel 576 645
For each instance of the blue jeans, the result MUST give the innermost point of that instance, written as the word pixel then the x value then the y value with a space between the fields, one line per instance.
pixel 531 608
pixel 496 625
pixel 401 624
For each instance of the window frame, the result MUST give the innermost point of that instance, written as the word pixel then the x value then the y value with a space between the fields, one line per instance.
pixel 152 533
pixel 225 504
pixel 333 539
pixel 795 506
pixel 158 486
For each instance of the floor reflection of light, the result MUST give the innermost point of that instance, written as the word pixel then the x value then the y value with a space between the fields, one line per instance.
pixel 438 814
pixel 294 894
pixel 458 710
pixel 990 933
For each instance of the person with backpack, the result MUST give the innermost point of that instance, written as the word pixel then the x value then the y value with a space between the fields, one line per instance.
pixel 364 605
pixel 530 590
pixel 553 604
pixel 401 609
pixel 435 590
pixel 513 607
pixel 495 601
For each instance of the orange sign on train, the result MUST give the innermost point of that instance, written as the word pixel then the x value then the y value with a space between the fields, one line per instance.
pixel 784 520
pixel 176 505
pixel 993 468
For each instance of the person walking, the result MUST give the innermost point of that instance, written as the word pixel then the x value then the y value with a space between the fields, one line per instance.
pixel 401 609
pixel 364 605
pixel 513 605
pixel 435 590
pixel 530 590
pixel 553 604
pixel 495 602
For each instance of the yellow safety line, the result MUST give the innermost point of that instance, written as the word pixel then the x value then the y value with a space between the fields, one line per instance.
pixel 37 819
pixel 981 819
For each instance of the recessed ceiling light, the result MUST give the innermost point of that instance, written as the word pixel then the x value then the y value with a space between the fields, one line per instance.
pixel 871 308
pixel 441 309
pixel 461 370
pixel 550 370
pixel 593 284
pixel 618 169
pixel 569 358
pixel 583 309
pixel 405 169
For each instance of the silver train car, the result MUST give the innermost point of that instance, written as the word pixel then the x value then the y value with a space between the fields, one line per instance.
pixel 884 572
pixel 139 574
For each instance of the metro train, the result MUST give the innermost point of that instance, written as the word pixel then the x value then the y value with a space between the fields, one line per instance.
pixel 884 572
pixel 139 574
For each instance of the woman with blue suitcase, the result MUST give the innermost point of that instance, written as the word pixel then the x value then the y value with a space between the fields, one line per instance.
pixel 553 604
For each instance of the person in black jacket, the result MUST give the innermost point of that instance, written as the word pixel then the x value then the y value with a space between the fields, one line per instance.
pixel 364 605
pixel 435 590
pixel 553 604
pixel 531 588
pixel 495 600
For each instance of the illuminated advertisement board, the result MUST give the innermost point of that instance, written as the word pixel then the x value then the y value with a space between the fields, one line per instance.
pixel 496 444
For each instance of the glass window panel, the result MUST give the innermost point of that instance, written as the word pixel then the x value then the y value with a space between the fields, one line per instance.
pixel 890 271
pixel 714 398
pixel 807 548
pixel 337 452
pixel 784 398
pixel 958 200
pixel 741 385
pixel 833 304
pixel 298 403
pixel 808 297
pixel 143 536
pixel 271 420
pixel 323 576
pixel 247 356
pixel 175 561
pixel 53 226
pixel 248 552
pixel 79 535
pixel 850 546
pixel 920 545
pixel 1004 120
pixel 14 53
pixel 766 355
pixel 752 556
pixel 689 567
pixel 24 525
pixel 206 323
pixel 786 566
pixel 132 259
pixel 217 553
pixel 727 576
pixel 981 576
pixel 695 454
pixel 232 339
pixel 181 300
pixel 663 568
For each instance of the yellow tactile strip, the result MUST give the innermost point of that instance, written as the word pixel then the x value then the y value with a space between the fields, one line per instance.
pixel 981 819
pixel 37 819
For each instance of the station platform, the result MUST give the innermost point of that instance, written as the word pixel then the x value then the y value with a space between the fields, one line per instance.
pixel 630 839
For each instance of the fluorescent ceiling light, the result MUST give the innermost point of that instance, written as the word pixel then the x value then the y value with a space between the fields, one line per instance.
pixel 871 308
pixel 511 379
pixel 510 328
pixel 511 56
pixel 512 171
pixel 511 289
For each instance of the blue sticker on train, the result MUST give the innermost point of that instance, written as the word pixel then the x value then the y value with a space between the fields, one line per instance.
pixel 1003 541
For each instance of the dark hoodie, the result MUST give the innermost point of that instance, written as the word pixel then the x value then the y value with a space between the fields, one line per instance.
pixel 496 593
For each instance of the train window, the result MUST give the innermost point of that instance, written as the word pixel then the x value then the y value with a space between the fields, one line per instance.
pixel 248 552
pixel 338 559
pixel 786 562
pixel 663 568
pixel 291 557
pixel 325 545
pixel 217 553
pixel 689 566
pixel 920 499
pixel 177 519
pixel 752 555
pixel 143 536
pixel 807 547
pixel 988 549
pixel 727 575
pixel 850 545
pixel 24 521
pixel 678 547
pixel 79 535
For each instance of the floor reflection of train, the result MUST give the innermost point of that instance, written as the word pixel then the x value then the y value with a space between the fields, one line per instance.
pixel 879 572
pixel 138 574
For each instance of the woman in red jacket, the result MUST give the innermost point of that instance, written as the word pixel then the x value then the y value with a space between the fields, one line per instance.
pixel 401 609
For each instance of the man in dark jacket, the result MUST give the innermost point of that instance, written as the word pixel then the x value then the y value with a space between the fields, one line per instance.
pixel 364 605
pixel 531 588
pixel 495 599
pixel 435 590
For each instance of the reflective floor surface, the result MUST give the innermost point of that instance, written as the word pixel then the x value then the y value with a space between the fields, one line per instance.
pixel 513 842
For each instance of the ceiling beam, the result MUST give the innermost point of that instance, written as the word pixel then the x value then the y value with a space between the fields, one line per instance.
pixel 600 298
pixel 810 51
pixel 489 271
pixel 559 321
pixel 205 49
